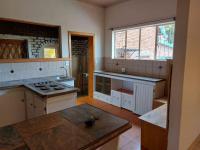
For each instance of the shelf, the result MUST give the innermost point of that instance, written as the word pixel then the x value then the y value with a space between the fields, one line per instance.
pixel 33 60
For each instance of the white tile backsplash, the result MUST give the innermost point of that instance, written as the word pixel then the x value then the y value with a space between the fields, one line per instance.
pixel 156 69
pixel 31 70
pixel 5 67
pixel 150 68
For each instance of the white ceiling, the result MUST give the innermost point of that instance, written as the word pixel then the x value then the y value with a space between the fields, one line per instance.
pixel 103 3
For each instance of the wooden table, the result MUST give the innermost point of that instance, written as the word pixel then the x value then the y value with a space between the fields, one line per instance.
pixel 65 130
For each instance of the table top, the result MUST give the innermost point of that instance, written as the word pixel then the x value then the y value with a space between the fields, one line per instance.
pixel 64 130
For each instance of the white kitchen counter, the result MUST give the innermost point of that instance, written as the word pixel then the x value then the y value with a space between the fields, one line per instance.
pixel 111 74
pixel 17 83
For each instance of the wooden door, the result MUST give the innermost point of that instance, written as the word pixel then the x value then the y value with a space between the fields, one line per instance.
pixel 91 60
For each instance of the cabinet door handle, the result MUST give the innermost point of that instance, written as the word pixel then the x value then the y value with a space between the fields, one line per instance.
pixel 22 100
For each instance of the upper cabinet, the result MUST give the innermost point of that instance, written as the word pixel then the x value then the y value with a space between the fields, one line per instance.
pixel 27 41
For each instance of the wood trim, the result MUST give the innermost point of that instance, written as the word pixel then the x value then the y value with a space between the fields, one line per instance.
pixel 85 34
pixel 60 42
pixel 169 80
pixel 33 60
pixel 36 59
pixel 153 137
pixel 91 66
pixel 27 22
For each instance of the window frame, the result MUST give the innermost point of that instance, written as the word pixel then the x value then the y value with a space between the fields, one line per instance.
pixel 140 28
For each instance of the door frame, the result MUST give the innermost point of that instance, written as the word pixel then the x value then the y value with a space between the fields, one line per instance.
pixel 91 64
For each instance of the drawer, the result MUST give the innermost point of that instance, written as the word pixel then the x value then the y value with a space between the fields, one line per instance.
pixel 116 98
pixel 127 101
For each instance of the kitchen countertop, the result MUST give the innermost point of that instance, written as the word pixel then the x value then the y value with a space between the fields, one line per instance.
pixel 157 116
pixel 25 83
pixel 64 130
pixel 67 90
pixel 128 76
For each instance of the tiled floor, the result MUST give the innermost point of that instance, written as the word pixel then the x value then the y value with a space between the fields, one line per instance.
pixel 130 140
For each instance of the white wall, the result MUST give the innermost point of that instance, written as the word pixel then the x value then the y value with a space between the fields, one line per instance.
pixel 72 15
pixel 134 12
pixel 185 99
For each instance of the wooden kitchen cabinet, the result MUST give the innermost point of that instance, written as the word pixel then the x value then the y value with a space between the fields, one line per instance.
pixel 34 105
pixel 37 105
pixel 60 102
pixel 29 97
pixel 12 106
pixel 154 129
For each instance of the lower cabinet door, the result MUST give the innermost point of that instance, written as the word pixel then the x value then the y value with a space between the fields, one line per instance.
pixel 29 97
pixel 116 98
pixel 144 98
pixel 127 101
pixel 12 106
pixel 39 106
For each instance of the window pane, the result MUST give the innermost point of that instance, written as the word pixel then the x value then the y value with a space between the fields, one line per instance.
pixel 132 48
pixel 147 46
pixel 165 41
pixel 120 44
pixel 49 53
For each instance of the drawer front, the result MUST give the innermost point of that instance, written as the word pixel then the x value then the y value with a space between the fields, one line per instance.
pixel 127 101
pixel 116 98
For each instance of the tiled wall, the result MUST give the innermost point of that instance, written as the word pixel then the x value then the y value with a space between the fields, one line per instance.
pixel 150 68
pixel 18 71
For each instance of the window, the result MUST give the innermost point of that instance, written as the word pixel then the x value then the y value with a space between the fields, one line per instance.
pixel 133 43
pixel 165 41
pixel 49 53
pixel 146 42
